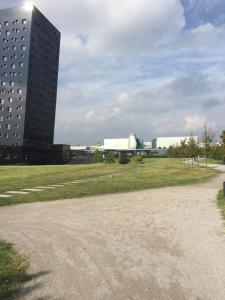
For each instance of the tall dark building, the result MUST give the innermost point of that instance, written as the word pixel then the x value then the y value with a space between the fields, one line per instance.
pixel 29 47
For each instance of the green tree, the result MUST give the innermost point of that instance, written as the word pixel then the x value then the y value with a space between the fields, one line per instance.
pixel 208 139
pixel 192 148
pixel 222 137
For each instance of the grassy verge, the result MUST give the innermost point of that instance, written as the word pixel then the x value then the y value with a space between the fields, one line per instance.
pixel 12 271
pixel 210 161
pixel 221 202
pixel 153 173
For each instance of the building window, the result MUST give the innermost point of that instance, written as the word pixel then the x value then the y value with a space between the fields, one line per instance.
pixel 7 32
pixel 13 66
pixel 8 126
pixel 4 58
pixel 2 101
pixel 6 136
pixel 1 108
pixel 24 21
pixel 1 118
pixel 9 109
pixel 6 23
pixel 21 64
pixel 10 99
pixel 3 83
pixel 12 83
pixel 23 47
pixel 19 91
pixel 14 47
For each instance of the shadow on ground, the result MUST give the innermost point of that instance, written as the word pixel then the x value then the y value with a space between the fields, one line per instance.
pixel 15 281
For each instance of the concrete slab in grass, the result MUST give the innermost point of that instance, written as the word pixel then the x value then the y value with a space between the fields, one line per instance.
pixel 32 190
pixel 5 196
pixel 45 187
pixel 17 192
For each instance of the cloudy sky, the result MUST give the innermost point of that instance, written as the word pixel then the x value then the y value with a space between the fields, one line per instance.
pixel 155 68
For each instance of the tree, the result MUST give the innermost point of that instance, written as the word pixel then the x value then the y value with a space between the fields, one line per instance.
pixel 208 139
pixel 192 148
pixel 222 137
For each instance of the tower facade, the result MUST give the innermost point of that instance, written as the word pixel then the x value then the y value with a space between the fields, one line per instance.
pixel 29 60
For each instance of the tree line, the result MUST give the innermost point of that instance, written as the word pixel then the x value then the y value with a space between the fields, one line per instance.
pixel 207 149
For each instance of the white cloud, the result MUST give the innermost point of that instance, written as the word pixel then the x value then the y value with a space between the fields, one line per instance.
pixel 196 122
pixel 113 26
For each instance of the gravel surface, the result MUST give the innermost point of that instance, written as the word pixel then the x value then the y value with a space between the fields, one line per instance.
pixel 164 243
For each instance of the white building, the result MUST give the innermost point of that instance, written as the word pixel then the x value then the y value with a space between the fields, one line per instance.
pixel 166 142
pixel 129 143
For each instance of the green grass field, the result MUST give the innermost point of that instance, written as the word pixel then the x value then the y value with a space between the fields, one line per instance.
pixel 221 202
pixel 153 173
pixel 12 271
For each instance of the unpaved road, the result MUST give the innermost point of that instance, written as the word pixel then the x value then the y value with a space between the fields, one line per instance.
pixel 156 244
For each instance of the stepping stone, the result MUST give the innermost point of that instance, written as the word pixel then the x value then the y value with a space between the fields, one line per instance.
pixel 5 196
pixel 17 192
pixel 32 190
pixel 45 187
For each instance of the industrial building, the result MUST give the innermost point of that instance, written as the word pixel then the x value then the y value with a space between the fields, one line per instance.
pixel 29 46
pixel 130 143
pixel 166 142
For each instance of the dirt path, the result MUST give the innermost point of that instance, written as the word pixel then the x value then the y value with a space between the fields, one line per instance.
pixel 157 244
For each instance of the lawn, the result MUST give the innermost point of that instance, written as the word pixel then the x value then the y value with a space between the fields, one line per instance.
pixel 221 202
pixel 153 173
pixel 12 271
pixel 210 161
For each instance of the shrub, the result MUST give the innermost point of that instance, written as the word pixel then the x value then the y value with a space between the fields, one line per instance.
pixel 137 159
pixel 110 158
pixel 97 157
pixel 124 159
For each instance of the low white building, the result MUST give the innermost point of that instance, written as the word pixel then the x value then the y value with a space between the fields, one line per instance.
pixel 129 143
pixel 166 142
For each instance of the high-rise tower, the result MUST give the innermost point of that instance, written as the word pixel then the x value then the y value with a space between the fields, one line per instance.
pixel 29 59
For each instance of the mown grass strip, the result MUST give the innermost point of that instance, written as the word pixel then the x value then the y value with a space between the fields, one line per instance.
pixel 13 268
pixel 221 202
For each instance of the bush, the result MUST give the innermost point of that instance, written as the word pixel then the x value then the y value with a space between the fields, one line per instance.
pixel 110 158
pixel 124 159
pixel 97 157
pixel 137 159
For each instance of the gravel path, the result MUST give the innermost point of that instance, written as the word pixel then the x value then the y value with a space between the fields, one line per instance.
pixel 158 244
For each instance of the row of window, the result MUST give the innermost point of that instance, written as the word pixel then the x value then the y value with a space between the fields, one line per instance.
pixel 15 39
pixel 8 126
pixel 9 108
pixel 12 83
pixel 12 66
pixel 10 99
pixel 6 23
pixel 6 135
pixel 9 32
pixel 14 74
pixel 8 117
pixel 11 91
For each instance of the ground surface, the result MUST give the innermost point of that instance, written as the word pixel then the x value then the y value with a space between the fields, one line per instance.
pixel 20 184
pixel 155 244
